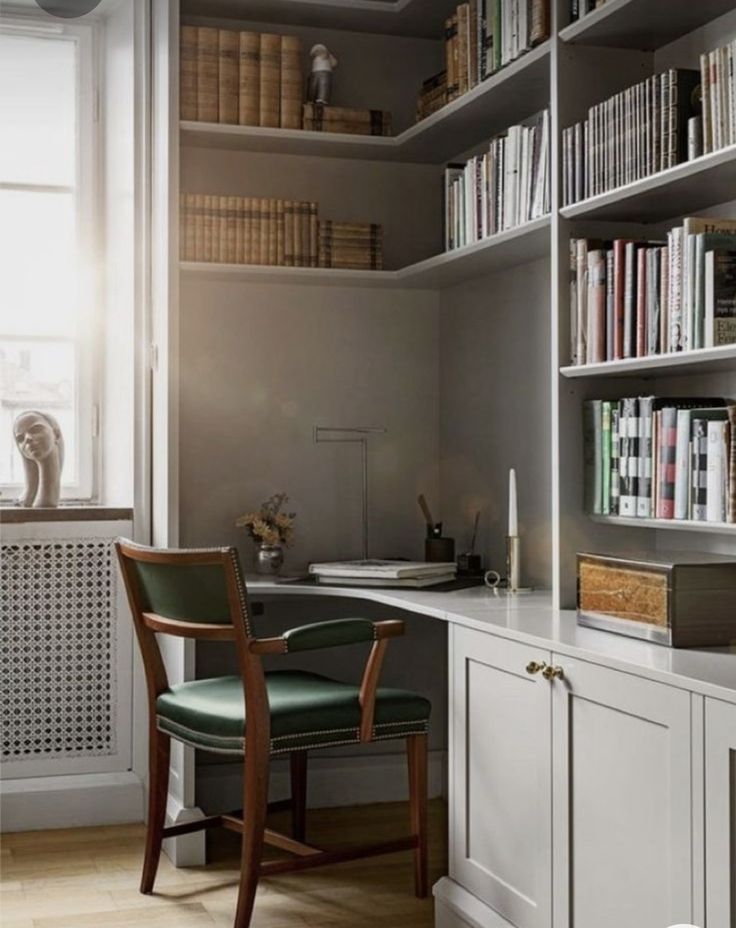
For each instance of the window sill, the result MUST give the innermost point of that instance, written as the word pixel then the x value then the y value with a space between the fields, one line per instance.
pixel 14 515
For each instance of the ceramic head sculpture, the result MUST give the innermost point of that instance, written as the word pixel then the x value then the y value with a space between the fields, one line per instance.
pixel 41 444
pixel 320 80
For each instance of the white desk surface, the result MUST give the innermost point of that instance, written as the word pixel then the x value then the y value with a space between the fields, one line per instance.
pixel 531 619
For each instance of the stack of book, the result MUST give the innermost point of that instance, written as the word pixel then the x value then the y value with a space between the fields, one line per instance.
pixel 501 189
pixel 630 299
pixel 432 96
pixel 351 245
pixel 244 78
pixel 636 133
pixel 661 457
pixel 718 81
pixel 579 8
pixel 480 37
pixel 349 119
pixel 383 573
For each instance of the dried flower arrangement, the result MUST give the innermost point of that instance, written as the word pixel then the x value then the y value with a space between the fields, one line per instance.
pixel 269 525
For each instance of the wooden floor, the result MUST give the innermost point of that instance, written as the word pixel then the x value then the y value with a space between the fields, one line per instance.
pixel 88 878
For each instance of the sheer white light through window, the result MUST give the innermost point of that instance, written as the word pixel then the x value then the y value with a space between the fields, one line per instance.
pixel 45 325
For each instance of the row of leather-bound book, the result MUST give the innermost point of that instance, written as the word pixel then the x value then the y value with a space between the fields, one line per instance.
pixel 275 232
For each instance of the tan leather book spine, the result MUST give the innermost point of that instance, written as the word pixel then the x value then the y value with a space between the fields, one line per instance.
pixel 228 80
pixel 188 73
pixel 208 215
pixel 255 230
pixel 292 90
pixel 304 223
pixel 231 254
pixel 237 208
pixel 207 74
pixel 264 210
pixel 313 234
pixel 198 217
pixel 280 245
pixel 186 215
pixel 270 85
pixel 222 231
pixel 273 220
pixel 298 240
pixel 289 233
pixel 249 77
pixel 247 212
pixel 539 29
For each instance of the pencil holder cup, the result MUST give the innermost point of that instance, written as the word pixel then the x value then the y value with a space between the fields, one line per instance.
pixel 439 550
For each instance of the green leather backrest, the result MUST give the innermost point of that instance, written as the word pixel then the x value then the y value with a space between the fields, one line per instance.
pixel 329 634
pixel 188 592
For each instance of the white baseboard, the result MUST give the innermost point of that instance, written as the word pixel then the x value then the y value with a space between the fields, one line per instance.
pixel 74 801
pixel 186 850
pixel 331 781
pixel 455 907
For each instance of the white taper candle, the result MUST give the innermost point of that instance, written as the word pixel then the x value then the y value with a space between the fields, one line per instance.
pixel 513 512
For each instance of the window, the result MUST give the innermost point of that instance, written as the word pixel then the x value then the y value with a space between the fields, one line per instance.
pixel 48 201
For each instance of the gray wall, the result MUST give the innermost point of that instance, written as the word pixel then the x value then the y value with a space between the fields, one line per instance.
pixel 494 403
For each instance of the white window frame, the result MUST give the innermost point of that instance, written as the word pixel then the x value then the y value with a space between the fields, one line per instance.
pixel 88 211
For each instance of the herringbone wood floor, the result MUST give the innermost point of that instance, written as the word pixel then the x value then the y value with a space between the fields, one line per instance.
pixel 88 878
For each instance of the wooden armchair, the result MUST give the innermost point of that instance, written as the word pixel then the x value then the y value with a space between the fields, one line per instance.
pixel 201 594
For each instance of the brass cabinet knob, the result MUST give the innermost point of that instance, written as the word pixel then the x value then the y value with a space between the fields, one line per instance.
pixel 552 673
pixel 534 667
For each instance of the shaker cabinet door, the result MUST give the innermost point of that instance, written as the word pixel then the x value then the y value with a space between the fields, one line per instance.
pixel 720 814
pixel 622 798
pixel 500 813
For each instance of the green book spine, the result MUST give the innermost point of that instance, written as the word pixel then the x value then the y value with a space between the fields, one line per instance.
pixel 606 458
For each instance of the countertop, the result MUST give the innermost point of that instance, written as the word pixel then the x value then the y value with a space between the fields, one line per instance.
pixel 531 618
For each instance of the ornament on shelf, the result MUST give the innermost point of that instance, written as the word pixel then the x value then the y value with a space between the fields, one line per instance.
pixel 320 80
pixel 41 444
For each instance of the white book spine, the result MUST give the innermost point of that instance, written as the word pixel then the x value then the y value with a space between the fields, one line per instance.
pixel 682 464
pixel 716 474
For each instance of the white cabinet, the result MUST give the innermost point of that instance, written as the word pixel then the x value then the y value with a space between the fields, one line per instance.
pixel 720 814
pixel 621 799
pixel 570 797
pixel 500 824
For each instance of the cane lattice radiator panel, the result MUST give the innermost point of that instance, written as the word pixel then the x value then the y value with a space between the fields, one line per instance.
pixel 57 649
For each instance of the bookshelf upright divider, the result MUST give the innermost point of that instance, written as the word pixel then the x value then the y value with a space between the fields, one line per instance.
pixel 583 63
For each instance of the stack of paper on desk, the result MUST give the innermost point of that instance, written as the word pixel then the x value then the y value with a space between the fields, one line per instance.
pixel 413 574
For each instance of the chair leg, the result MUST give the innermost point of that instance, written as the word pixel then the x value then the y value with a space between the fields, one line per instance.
pixel 416 750
pixel 255 807
pixel 298 794
pixel 159 753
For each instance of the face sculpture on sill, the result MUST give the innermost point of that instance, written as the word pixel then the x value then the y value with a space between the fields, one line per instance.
pixel 41 444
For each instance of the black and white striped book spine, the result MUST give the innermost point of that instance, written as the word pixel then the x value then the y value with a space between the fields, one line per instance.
pixel 644 463
pixel 629 455
pixel 699 471
pixel 615 452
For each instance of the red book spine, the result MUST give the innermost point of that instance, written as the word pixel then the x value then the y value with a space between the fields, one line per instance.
pixel 619 278
pixel 641 302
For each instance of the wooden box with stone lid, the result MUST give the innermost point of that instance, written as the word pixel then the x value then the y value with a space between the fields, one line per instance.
pixel 681 599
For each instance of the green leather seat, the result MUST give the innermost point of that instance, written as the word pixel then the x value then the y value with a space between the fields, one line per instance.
pixel 307 710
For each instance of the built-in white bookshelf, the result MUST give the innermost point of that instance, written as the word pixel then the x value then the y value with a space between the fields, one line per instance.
pixel 496 279
pixel 674 525
pixel 701 361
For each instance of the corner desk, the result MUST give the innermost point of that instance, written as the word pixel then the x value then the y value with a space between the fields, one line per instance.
pixel 592 777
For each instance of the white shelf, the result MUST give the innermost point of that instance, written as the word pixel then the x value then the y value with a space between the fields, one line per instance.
pixel 680 525
pixel 506 249
pixel 421 18
pixel 511 94
pixel 643 24
pixel 678 191
pixel 702 361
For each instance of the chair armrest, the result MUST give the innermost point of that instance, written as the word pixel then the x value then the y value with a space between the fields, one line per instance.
pixel 332 634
